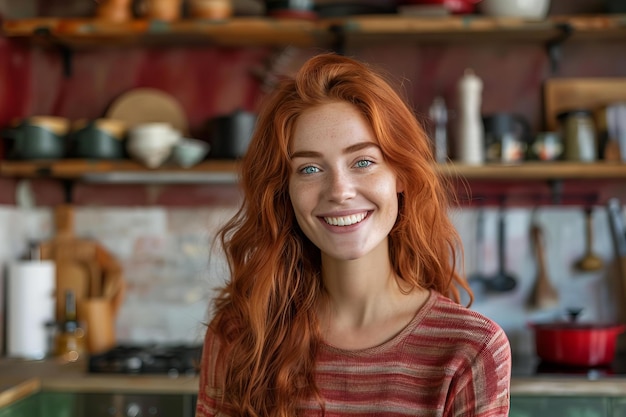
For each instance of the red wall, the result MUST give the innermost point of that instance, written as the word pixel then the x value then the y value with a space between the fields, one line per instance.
pixel 210 81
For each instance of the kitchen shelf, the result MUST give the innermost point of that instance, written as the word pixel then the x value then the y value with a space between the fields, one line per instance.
pixel 241 31
pixel 122 171
pixel 256 31
pixel 539 171
pixel 475 27
pixel 226 171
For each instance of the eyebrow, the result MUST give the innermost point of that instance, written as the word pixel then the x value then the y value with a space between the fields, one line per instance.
pixel 350 149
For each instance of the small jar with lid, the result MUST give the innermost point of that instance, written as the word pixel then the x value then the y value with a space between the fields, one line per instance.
pixel 579 135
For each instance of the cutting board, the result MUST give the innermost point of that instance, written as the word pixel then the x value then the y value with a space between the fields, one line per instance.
pixel 148 105
pixel 82 265
pixel 561 94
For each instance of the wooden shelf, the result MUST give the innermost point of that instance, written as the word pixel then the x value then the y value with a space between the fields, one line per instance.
pixel 92 170
pixel 475 27
pixel 243 31
pixel 453 28
pixel 257 31
pixel 536 171
pixel 220 171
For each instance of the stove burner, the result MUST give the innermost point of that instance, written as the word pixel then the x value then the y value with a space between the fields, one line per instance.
pixel 172 360
pixel 591 372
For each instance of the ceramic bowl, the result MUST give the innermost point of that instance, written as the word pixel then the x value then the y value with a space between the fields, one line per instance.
pixel 528 9
pixel 152 143
pixel 188 152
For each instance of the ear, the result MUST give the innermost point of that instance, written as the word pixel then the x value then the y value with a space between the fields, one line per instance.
pixel 399 185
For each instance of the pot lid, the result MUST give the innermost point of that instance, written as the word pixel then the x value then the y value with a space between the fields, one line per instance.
pixel 566 325
pixel 571 322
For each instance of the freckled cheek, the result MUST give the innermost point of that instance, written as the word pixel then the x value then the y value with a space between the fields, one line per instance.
pixel 302 199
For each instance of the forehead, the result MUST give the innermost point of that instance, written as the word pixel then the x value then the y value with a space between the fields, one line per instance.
pixel 333 123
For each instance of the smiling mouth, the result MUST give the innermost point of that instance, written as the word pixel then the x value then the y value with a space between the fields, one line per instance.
pixel 345 220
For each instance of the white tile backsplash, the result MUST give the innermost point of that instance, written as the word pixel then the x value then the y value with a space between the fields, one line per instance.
pixel 172 266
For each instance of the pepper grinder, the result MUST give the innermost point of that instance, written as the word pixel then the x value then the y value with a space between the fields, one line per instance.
pixel 470 133
pixel 439 115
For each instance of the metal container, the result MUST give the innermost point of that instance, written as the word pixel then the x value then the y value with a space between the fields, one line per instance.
pixel 579 135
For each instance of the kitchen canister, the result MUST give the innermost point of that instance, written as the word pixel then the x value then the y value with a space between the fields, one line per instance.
pixel 30 308
pixel 470 132
pixel 579 135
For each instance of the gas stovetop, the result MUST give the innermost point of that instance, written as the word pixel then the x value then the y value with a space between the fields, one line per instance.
pixel 172 360
pixel 531 366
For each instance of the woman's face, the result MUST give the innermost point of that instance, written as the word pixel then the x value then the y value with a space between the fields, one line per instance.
pixel 343 193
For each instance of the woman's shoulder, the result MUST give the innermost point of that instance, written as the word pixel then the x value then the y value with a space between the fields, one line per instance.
pixel 455 324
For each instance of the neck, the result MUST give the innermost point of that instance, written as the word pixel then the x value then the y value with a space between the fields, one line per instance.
pixel 365 304
pixel 361 289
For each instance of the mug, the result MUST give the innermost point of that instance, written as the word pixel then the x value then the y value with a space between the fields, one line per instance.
pixel 506 137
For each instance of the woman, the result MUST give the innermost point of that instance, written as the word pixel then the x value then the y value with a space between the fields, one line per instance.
pixel 342 260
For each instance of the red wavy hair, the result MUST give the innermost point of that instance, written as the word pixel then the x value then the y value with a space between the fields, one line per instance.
pixel 265 317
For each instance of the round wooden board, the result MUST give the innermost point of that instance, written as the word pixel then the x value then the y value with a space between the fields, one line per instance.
pixel 146 105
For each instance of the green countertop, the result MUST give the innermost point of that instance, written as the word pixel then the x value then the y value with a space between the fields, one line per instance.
pixel 20 378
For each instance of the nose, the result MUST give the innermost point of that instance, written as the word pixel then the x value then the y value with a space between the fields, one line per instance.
pixel 340 187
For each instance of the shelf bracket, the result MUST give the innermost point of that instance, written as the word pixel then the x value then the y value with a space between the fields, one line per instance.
pixel 67 54
pixel 339 42
pixel 554 46
pixel 68 191
pixel 556 190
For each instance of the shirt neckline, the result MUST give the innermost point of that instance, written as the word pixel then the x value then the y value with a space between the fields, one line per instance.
pixel 391 342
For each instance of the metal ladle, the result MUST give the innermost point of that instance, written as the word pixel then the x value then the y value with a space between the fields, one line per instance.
pixel 501 281
pixel 477 280
pixel 590 261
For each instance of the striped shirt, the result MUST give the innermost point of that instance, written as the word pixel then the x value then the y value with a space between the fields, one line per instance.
pixel 448 361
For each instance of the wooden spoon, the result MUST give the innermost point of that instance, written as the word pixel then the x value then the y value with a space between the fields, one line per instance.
pixel 543 294
pixel 590 261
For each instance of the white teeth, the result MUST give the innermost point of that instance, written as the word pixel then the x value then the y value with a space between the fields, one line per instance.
pixel 345 220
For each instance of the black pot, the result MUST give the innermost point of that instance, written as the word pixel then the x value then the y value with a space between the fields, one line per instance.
pixel 616 6
pixel 93 142
pixel 28 141
pixel 230 135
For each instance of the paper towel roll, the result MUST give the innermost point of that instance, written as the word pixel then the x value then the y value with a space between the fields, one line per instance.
pixel 30 305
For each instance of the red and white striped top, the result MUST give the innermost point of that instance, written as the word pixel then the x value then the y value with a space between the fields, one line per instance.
pixel 448 361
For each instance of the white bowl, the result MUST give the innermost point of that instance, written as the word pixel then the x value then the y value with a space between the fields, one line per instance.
pixel 152 143
pixel 529 9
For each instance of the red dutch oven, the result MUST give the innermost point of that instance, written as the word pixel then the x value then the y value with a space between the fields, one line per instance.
pixel 576 343
pixel 453 6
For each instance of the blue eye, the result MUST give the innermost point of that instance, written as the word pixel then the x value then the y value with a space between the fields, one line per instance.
pixel 309 170
pixel 363 163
